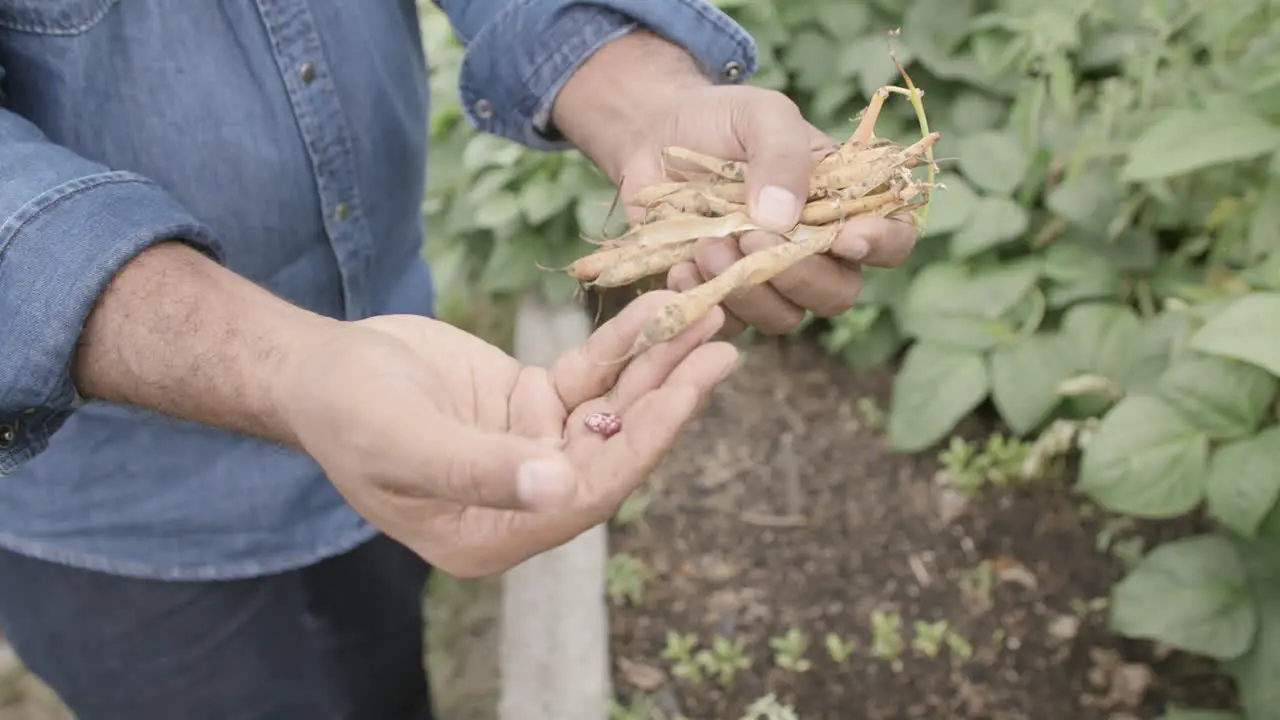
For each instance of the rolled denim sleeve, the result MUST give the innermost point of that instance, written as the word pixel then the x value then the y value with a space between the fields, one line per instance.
pixel 67 224
pixel 521 52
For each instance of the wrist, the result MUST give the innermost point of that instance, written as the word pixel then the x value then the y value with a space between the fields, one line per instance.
pixel 609 106
pixel 283 374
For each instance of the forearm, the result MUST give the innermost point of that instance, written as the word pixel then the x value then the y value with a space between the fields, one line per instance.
pixel 176 332
pixel 610 100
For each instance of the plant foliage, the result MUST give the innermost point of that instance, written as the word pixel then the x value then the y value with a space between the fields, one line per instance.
pixel 1107 246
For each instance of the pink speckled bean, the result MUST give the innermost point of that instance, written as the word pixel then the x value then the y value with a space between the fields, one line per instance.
pixel 606 424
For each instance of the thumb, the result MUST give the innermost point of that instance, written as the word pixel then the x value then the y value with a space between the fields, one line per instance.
pixel 777 142
pixel 504 471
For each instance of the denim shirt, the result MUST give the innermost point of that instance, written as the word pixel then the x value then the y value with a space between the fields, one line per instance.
pixel 288 139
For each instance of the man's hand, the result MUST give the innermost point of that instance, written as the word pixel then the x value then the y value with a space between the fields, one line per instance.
pixel 640 94
pixel 439 439
pixel 477 462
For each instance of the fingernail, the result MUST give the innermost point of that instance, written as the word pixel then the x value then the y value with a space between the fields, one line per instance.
pixel 856 248
pixel 543 484
pixel 777 208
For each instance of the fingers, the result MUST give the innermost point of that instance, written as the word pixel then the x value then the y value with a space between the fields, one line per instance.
pixel 473 467
pixel 759 305
pixel 649 427
pixel 591 369
pixel 819 283
pixel 686 276
pixel 651 369
pixel 779 149
pixel 880 242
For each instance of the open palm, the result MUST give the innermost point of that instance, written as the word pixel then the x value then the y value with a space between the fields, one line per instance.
pixel 459 513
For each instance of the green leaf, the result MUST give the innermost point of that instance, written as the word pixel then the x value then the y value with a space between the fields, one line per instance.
pixel 1145 460
pixel 498 210
pixel 486 183
pixel 842 19
pixel 1264 227
pixel 874 345
pixel 974 111
pixel 1255 672
pixel 1243 483
pixel 1025 380
pixel 543 198
pixel 932 27
pixel 995 220
pixel 1201 715
pixel 485 150
pixel 1248 330
pixel 994 161
pixel 1135 249
pixel 937 387
pixel 809 55
pixel 512 266
pixel 1078 275
pixel 1187 140
pixel 950 208
pixel 1191 594
pixel 592 213
pixel 1152 353
pixel 867 59
pixel 1088 199
pixel 1225 398
pixel 1100 338
pixel 953 305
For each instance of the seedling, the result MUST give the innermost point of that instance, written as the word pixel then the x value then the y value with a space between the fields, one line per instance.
pixel 633 509
pixel 625 577
pixel 886 634
pixel 959 647
pixel 769 708
pixel 641 707
pixel 724 659
pixel 873 417
pixel 929 637
pixel 839 648
pixel 680 651
pixel 789 651
pixel 999 462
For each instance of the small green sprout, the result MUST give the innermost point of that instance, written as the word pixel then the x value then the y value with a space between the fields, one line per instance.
pixel 680 651
pixel 789 651
pixel 839 648
pixel 724 659
pixel 625 577
pixel 886 634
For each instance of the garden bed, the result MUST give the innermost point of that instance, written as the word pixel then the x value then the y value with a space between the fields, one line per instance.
pixel 782 509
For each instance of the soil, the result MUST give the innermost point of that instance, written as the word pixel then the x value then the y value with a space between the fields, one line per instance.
pixel 783 507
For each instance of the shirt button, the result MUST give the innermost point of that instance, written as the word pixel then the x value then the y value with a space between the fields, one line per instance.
pixel 341 211
pixel 483 109
pixel 7 436
pixel 307 72
pixel 732 70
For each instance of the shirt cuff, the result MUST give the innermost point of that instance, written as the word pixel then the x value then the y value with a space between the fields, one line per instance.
pixel 58 252
pixel 518 61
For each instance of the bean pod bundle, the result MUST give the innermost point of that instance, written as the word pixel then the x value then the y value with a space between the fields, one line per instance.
pixel 865 175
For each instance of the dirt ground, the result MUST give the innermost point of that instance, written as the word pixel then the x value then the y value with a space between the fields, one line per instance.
pixel 782 508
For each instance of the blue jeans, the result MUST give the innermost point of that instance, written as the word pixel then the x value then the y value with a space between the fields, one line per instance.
pixel 340 639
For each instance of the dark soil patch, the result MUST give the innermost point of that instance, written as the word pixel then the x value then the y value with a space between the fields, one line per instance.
pixel 782 509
